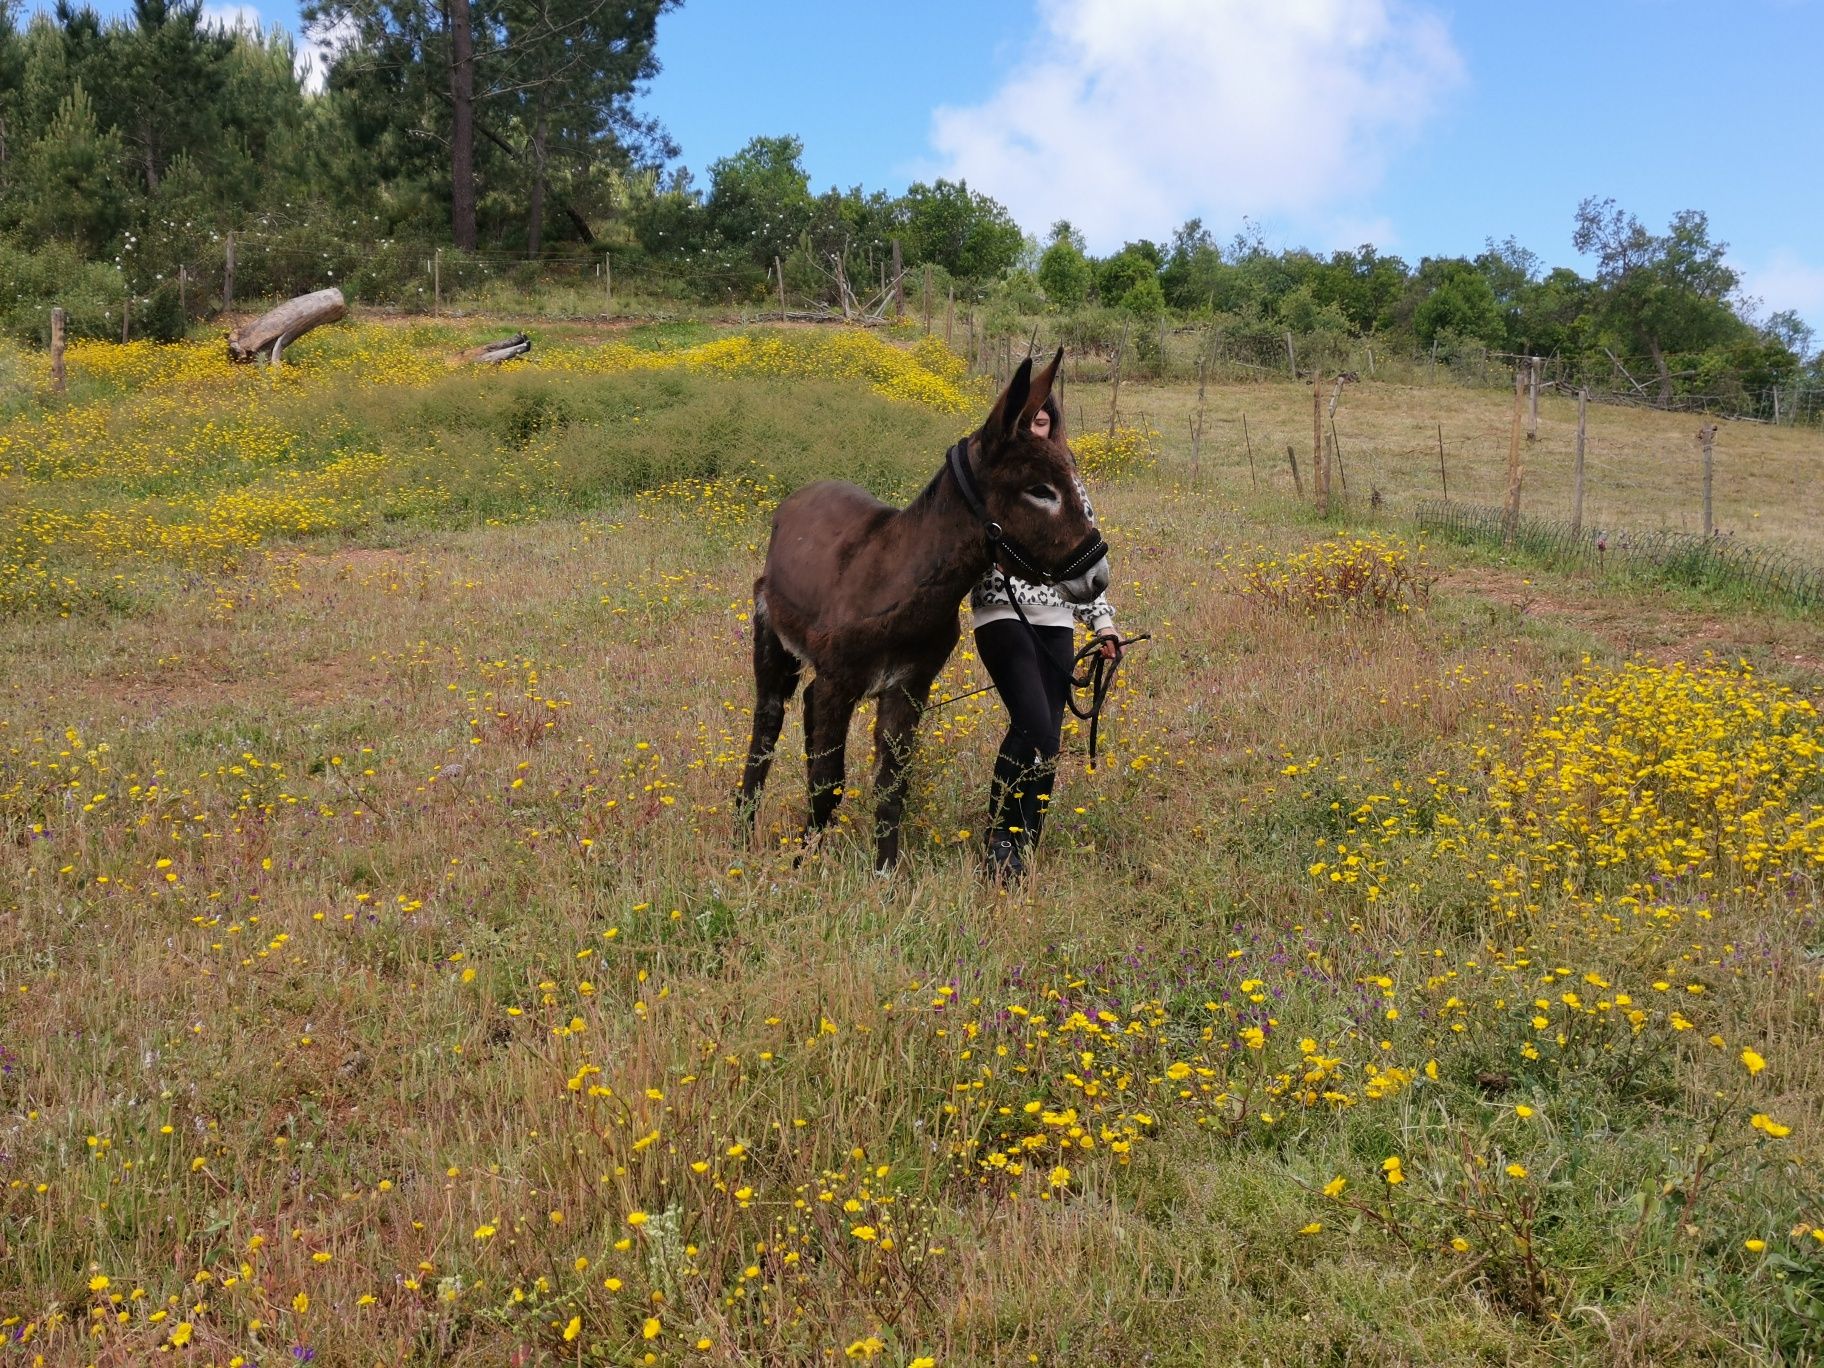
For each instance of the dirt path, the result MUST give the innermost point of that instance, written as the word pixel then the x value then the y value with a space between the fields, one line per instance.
pixel 1633 623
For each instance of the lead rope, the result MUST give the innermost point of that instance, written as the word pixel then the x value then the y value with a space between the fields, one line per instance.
pixel 1099 679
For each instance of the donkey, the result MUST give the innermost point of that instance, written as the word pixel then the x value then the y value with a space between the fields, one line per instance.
pixel 867 594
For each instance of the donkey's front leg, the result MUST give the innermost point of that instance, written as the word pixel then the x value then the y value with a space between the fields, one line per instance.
pixel 895 733
pixel 828 710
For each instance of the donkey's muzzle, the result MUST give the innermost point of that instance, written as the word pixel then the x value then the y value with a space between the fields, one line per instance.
pixel 1085 587
pixel 1084 573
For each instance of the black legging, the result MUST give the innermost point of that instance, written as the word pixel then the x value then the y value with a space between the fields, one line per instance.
pixel 1034 691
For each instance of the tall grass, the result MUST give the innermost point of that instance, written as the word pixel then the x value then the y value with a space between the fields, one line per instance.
pixel 383 981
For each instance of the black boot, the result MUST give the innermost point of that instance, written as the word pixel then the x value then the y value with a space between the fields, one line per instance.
pixel 1004 861
pixel 1016 815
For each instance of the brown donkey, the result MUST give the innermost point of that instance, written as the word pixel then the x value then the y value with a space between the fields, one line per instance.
pixel 867 594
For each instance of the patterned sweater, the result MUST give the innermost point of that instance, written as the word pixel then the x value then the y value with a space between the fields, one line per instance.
pixel 993 595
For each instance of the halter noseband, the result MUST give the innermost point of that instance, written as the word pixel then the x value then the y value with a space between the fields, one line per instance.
pixel 1002 547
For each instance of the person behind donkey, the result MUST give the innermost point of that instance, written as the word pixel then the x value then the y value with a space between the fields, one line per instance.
pixel 1031 668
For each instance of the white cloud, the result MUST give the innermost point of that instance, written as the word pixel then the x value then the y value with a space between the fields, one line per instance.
pixel 1129 116
pixel 229 18
pixel 1784 280
pixel 315 50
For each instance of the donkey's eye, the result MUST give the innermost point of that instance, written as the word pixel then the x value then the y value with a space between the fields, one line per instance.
pixel 1044 493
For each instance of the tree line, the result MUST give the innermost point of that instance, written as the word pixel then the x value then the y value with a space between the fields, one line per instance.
pixel 511 128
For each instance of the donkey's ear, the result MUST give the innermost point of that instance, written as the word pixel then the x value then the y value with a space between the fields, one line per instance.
pixel 1041 389
pixel 1005 417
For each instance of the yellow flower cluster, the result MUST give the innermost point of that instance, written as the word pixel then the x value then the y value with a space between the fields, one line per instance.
pixel 1105 456
pixel 1651 784
pixel 1667 773
pixel 149 365
pixel 729 506
pixel 1630 812
pixel 1376 572
pixel 929 374
pixel 186 464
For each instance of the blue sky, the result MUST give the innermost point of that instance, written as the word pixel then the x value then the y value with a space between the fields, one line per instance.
pixel 1423 126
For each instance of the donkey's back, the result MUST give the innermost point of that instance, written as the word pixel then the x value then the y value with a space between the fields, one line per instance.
pixel 835 587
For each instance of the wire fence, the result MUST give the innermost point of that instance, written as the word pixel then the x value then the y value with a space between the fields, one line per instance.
pixel 1683 557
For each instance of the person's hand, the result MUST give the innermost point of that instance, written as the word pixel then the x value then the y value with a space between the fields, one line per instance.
pixel 1109 645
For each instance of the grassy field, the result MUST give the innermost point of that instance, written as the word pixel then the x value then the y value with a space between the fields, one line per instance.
pixel 380 981
pixel 1643 468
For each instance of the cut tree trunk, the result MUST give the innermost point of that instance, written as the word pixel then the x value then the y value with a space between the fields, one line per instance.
pixel 274 330
pixel 493 353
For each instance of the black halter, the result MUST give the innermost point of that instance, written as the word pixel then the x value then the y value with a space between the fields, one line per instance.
pixel 1002 547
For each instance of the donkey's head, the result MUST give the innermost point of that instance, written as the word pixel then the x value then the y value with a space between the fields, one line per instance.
pixel 1028 485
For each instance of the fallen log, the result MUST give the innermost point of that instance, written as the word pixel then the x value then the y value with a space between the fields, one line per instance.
pixel 275 329
pixel 493 353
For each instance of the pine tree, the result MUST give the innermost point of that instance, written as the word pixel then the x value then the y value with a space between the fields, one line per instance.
pixel 70 184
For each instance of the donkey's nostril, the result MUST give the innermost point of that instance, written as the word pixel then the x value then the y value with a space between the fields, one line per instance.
pixel 1085 587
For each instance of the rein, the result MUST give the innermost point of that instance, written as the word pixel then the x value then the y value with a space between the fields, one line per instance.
pixel 1099 678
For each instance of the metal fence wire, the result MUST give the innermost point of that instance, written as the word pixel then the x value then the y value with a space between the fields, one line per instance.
pixel 1684 557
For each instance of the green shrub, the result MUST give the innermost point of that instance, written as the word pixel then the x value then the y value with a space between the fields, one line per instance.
pixel 32 283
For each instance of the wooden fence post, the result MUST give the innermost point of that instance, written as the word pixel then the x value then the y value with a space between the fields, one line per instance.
pixel 436 282
pixel 779 272
pixel 1320 464
pixel 949 314
pixel 57 375
pixel 1196 449
pixel 899 283
pixel 183 294
pixel 1291 357
pixel 1114 395
pixel 1583 404
pixel 1443 475
pixel 228 273
pixel 1248 441
pixel 126 318
pixel 1200 365
pixel 1336 444
pixel 1510 517
pixel 1706 438
pixel 1532 399
pixel 1297 482
pixel 927 299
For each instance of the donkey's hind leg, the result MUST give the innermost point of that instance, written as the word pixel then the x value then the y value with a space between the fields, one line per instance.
pixel 895 733
pixel 775 680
